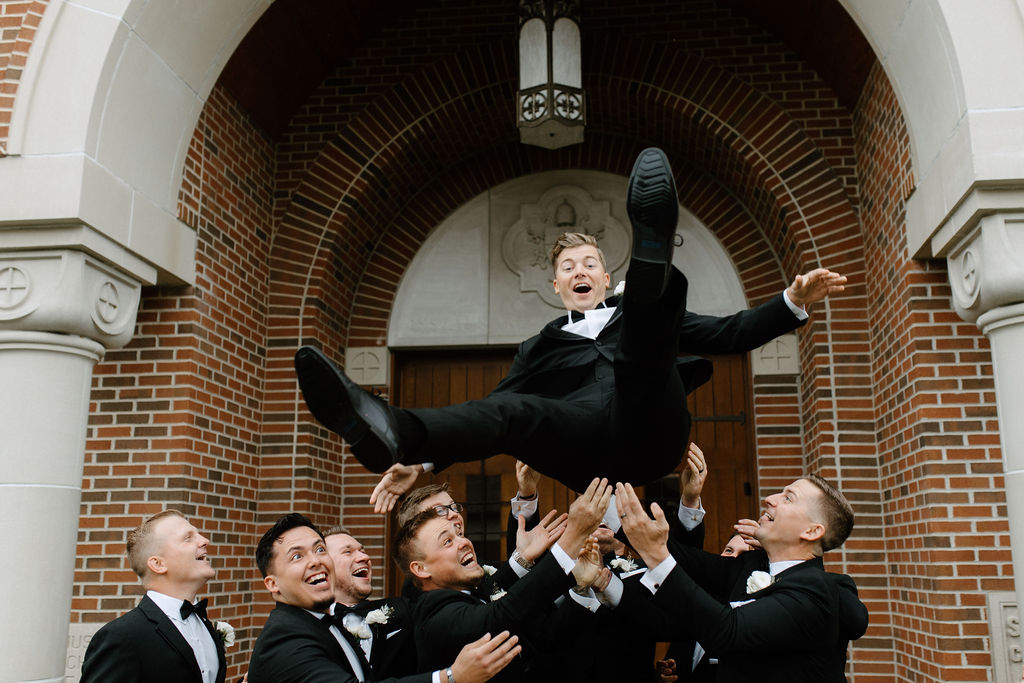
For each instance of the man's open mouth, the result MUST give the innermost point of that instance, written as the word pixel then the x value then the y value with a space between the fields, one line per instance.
pixel 362 572
pixel 581 288
pixel 317 579
pixel 467 559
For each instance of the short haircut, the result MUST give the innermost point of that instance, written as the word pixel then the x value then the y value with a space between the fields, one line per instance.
pixel 403 546
pixel 837 511
pixel 265 548
pixel 410 507
pixel 337 529
pixel 141 543
pixel 568 240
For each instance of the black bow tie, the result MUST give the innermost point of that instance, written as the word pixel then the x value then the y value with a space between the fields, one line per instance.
pixel 336 619
pixel 199 609
pixel 577 316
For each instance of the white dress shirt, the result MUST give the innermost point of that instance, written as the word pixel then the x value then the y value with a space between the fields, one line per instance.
pixel 195 633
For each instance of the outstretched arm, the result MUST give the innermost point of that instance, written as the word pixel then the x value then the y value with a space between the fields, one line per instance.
pixel 397 480
pixel 814 286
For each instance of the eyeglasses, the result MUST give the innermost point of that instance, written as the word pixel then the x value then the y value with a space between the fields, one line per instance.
pixel 443 510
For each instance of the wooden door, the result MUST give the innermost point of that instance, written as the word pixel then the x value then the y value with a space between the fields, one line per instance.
pixel 722 428
pixel 426 379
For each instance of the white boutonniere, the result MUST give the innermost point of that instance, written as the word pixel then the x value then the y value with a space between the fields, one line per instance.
pixel 380 616
pixel 226 632
pixel 357 626
pixel 498 594
pixel 623 564
pixel 489 570
pixel 759 580
pixel 620 288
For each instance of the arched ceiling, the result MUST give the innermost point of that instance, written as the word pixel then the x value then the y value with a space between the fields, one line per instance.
pixel 296 44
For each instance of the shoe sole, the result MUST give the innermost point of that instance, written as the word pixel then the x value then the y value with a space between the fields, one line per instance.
pixel 653 207
pixel 342 406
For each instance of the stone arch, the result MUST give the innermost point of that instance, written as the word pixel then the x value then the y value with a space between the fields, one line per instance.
pixel 724 128
pixel 105 110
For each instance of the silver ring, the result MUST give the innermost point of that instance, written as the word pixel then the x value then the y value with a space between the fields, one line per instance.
pixel 622 516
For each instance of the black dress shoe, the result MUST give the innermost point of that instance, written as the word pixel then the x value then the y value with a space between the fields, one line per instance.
pixel 653 208
pixel 337 403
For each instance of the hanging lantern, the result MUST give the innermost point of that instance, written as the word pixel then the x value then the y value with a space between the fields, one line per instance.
pixel 550 98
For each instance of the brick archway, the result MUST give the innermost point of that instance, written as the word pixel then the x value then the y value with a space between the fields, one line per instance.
pixel 746 168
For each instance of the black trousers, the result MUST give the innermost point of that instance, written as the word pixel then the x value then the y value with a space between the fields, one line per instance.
pixel 629 424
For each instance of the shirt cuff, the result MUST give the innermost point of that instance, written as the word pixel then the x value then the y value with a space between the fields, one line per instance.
pixel 564 561
pixel 655 577
pixel 589 601
pixel 611 596
pixel 519 569
pixel 526 508
pixel 798 311
pixel 690 518
pixel 429 466
pixel 435 677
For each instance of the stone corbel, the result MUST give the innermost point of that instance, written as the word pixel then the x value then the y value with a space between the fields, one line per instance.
pixel 986 266
pixel 67 291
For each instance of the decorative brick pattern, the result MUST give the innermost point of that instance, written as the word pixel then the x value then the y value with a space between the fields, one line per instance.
pixel 18 24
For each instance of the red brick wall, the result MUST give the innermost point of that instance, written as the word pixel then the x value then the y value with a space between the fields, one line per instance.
pixel 18 23
pixel 945 536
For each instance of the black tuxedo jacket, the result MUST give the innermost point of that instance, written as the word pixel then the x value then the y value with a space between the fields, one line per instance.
pixel 446 620
pixel 797 629
pixel 295 646
pixel 144 646
pixel 393 653
pixel 556 363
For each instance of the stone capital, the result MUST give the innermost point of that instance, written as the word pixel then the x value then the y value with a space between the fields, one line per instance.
pixel 67 291
pixel 986 265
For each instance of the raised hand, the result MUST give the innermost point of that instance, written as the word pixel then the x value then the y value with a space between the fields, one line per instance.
pixel 397 480
pixel 532 544
pixel 649 537
pixel 527 478
pixel 585 515
pixel 692 476
pixel 746 528
pixel 815 286
pixel 482 659
pixel 587 570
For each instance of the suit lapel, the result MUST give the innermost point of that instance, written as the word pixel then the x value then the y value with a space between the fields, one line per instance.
pixel 170 633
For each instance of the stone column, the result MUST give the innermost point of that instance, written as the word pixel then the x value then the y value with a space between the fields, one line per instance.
pixel 986 273
pixel 59 310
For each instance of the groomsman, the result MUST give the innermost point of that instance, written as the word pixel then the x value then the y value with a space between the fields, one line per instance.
pixel 793 622
pixel 388 643
pixel 449 611
pixel 167 637
pixel 307 638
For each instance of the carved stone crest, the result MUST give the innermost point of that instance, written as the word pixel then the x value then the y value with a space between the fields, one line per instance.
pixel 565 208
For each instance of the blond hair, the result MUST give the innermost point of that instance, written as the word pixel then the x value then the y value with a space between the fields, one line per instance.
pixel 142 543
pixel 568 240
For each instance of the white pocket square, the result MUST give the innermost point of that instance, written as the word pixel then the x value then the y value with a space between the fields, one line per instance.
pixel 392 633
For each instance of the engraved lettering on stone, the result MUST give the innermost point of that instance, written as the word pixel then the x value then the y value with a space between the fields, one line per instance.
pixel 969 272
pixel 14 286
pixel 107 302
